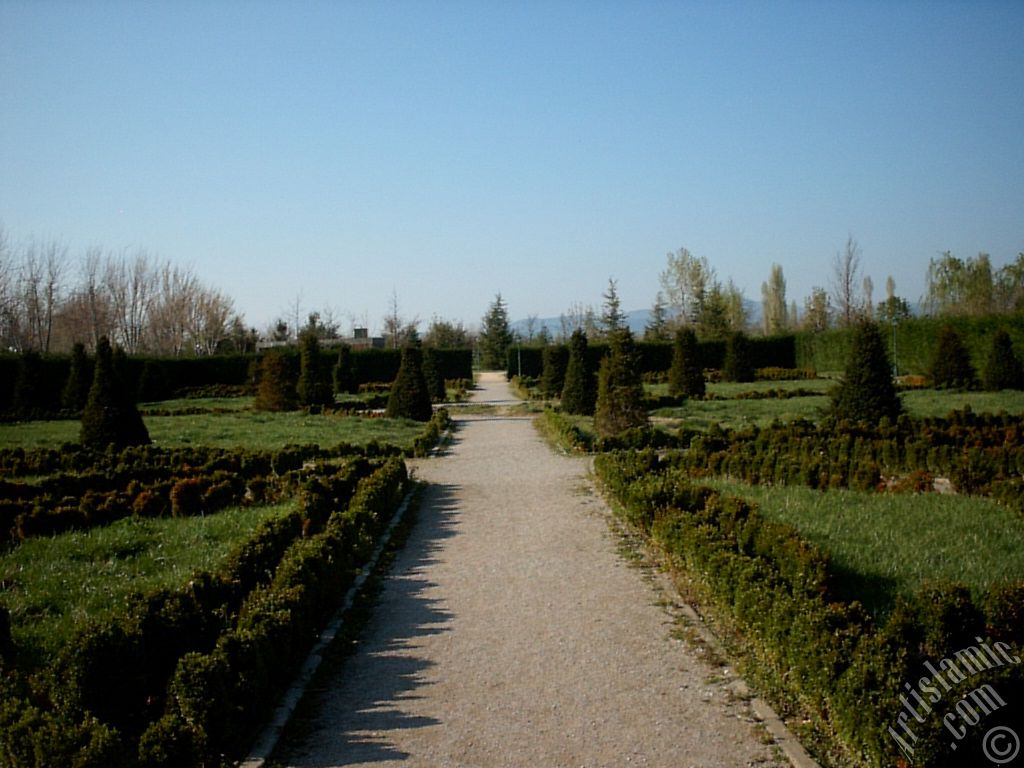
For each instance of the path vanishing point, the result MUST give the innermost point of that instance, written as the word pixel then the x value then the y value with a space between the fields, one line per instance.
pixel 510 631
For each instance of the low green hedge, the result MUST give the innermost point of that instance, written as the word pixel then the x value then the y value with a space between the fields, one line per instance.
pixel 181 676
pixel 814 655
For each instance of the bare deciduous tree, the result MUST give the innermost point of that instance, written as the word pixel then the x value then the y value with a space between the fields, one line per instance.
pixel 845 269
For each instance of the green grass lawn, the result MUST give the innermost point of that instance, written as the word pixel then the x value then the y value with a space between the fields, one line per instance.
pixel 51 585
pixel 737 413
pixel 234 427
pixel 883 545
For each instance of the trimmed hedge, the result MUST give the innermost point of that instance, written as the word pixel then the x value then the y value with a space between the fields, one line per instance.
pixel 155 378
pixel 656 357
pixel 980 454
pixel 181 676
pixel 916 339
pixel 827 659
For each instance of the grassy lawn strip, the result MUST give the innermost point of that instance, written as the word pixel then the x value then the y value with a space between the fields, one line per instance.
pixel 51 585
pixel 883 545
pixel 231 429
pixel 736 413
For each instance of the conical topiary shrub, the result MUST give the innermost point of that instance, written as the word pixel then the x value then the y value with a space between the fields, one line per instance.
pixel 314 388
pixel 1003 369
pixel 686 375
pixel 951 366
pixel 579 395
pixel 620 391
pixel 409 396
pixel 110 416
pixel 276 389
pixel 79 381
pixel 867 392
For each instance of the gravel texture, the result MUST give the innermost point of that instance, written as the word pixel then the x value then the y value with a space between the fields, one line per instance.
pixel 511 632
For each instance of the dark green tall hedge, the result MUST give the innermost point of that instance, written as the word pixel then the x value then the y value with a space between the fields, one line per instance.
pixel 686 376
pixel 739 363
pixel 555 360
pixel 76 388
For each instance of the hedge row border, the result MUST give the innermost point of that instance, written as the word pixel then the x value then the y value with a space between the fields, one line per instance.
pixel 267 742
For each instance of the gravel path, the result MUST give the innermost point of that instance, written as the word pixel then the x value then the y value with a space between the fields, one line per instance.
pixel 511 633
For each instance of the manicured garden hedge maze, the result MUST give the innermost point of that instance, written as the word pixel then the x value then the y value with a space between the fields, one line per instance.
pixel 821 657
pixel 181 676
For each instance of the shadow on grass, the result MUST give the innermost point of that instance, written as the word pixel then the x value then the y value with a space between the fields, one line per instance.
pixel 364 698
pixel 877 593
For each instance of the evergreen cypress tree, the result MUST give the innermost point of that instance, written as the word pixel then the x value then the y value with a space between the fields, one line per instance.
pixel 344 371
pixel 409 396
pixel 620 391
pixel 579 395
pixel 867 392
pixel 276 390
pixel 1003 369
pixel 314 387
pixel 76 388
pixel 554 360
pixel 432 376
pixel 686 376
pixel 110 416
pixel 951 367
pixel 737 365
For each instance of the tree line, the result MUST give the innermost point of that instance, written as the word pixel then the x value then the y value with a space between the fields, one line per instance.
pixel 50 300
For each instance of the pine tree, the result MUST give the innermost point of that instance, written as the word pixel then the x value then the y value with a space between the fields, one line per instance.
pixel 409 396
pixel 951 367
pixel 554 360
pixel 612 318
pixel 620 391
pixel 686 376
pixel 657 327
pixel 579 395
pixel 110 416
pixel 867 392
pixel 314 386
pixel 344 372
pixel 737 365
pixel 76 387
pixel 1003 369
pixel 495 338
pixel 432 376
pixel 276 390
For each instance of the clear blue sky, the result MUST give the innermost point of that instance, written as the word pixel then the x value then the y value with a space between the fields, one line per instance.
pixel 446 151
